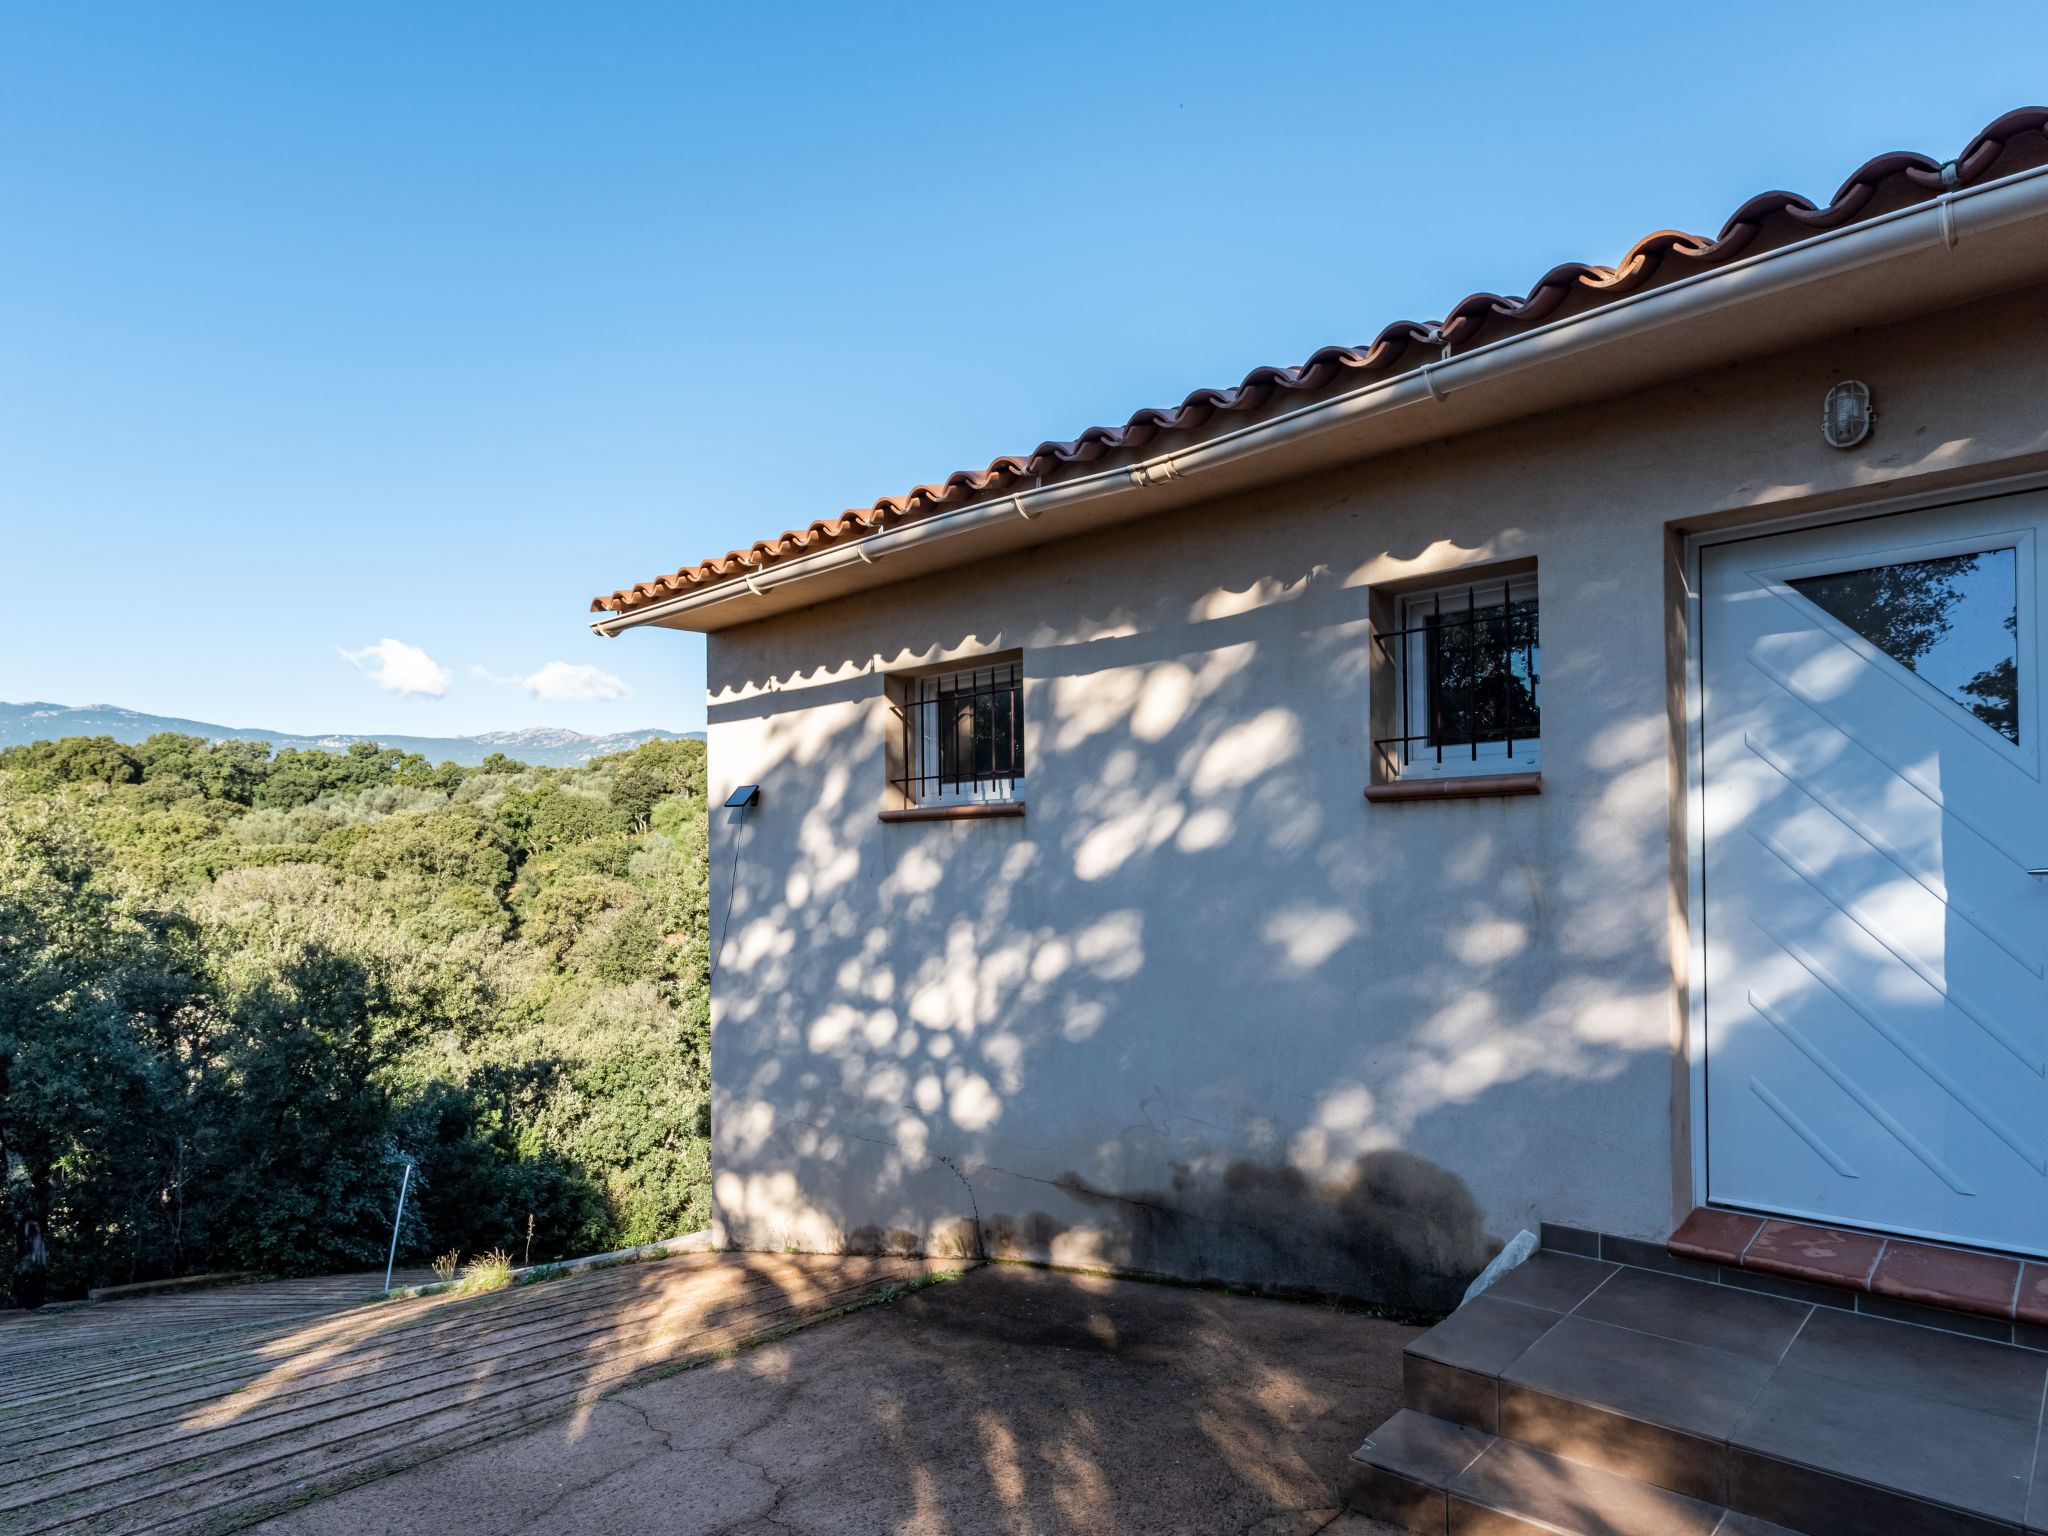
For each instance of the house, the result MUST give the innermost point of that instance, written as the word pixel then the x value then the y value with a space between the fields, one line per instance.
pixel 1576 762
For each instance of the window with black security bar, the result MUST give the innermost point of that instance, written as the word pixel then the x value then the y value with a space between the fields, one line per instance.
pixel 1467 667
pixel 963 736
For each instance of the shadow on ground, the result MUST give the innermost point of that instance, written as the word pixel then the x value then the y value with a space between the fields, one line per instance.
pixel 195 1415
pixel 1010 1400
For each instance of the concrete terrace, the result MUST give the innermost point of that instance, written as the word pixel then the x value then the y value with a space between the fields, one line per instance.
pixel 1013 1401
pixel 1010 1399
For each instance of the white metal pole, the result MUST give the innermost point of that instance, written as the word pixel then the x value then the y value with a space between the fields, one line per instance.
pixel 403 1184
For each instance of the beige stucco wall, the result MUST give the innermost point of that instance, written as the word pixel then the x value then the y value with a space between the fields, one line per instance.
pixel 1204 1011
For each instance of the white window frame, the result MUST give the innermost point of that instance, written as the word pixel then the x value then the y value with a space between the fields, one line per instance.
pixel 920 704
pixel 1460 759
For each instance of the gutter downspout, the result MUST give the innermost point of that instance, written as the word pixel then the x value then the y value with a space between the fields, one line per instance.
pixel 1941 222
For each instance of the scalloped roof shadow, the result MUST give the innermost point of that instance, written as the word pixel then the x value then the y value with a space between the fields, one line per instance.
pixel 1770 218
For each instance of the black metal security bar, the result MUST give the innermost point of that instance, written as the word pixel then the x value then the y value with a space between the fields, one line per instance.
pixel 963 735
pixel 1481 677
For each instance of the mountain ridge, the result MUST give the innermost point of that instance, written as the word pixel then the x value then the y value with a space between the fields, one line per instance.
pixel 545 746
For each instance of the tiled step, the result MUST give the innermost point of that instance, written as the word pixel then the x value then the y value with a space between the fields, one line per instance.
pixel 1435 1476
pixel 1828 1422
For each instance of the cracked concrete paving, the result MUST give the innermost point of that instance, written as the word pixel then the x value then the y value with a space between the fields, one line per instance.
pixel 1012 1400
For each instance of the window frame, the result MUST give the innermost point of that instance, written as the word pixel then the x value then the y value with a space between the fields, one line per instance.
pixel 919 781
pixel 1404 753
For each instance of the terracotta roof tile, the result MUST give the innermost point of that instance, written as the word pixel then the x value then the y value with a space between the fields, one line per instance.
pixel 1888 180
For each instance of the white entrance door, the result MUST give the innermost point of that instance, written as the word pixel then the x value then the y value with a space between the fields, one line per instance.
pixel 1876 929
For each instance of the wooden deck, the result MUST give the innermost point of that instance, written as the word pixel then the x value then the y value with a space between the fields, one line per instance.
pixel 210 1410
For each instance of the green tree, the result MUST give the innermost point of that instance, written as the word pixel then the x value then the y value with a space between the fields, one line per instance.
pixel 91 999
pixel 77 760
pixel 239 988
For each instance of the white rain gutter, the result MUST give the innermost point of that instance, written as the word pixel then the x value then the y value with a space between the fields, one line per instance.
pixel 1943 222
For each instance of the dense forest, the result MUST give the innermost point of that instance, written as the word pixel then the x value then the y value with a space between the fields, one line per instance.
pixel 240 989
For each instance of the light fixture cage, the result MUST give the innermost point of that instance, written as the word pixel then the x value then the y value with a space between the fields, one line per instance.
pixel 1845 415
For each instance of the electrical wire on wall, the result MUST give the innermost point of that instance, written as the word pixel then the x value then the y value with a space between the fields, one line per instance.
pixel 739 802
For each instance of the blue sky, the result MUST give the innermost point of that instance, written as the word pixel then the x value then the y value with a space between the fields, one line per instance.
pixel 323 326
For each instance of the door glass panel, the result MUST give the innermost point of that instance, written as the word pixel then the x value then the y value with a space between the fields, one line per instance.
pixel 1953 621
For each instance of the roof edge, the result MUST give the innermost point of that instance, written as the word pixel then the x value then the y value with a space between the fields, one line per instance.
pixel 1566 295
pixel 1187 472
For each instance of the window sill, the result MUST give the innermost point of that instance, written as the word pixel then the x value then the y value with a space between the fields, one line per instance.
pixel 1471 786
pixel 972 811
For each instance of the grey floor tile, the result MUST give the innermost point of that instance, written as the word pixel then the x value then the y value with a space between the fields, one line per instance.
pixel 1535 1486
pixel 1681 1386
pixel 2037 1502
pixel 1690 1464
pixel 1555 1281
pixel 1376 1494
pixel 1447 1392
pixel 1820 1504
pixel 1788 1288
pixel 1635 1252
pixel 1423 1448
pixel 1563 1239
pixel 1733 1524
pixel 1487 1334
pixel 1997 1329
pixel 1400 1473
pixel 1739 1322
pixel 1882 1356
pixel 1893 1439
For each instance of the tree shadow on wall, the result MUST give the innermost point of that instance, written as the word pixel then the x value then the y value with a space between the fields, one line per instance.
pixel 1199 1012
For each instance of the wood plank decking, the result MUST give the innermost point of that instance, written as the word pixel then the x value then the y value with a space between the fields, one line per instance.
pixel 207 1411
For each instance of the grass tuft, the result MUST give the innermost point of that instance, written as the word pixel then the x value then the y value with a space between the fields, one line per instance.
pixel 486 1272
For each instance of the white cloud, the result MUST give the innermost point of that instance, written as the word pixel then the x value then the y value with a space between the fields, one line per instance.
pixel 401 668
pixel 561 681
pixel 564 682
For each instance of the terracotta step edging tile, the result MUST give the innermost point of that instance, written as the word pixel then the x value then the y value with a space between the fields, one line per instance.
pixel 1714 1237
pixel 1821 1254
pixel 1926 1274
pixel 1948 1277
pixel 2031 1304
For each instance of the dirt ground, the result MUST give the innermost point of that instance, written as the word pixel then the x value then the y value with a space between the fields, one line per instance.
pixel 1009 1400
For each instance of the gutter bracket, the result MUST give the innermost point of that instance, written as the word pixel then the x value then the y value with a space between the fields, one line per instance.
pixel 1158 472
pixel 1945 206
pixel 1017 500
pixel 1429 370
pixel 749 580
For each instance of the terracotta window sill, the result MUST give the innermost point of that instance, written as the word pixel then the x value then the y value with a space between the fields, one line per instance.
pixel 956 812
pixel 1473 786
